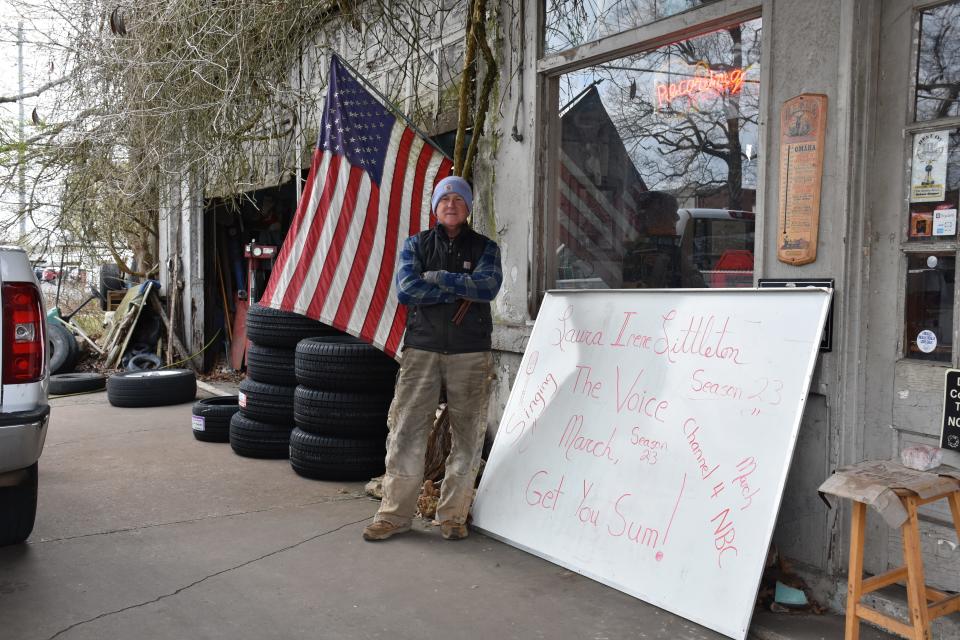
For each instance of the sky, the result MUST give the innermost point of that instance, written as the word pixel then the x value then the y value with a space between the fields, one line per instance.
pixel 36 72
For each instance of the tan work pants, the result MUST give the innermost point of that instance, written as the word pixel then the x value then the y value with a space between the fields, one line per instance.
pixel 467 378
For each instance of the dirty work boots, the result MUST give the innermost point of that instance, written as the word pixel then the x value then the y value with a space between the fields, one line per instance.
pixel 381 530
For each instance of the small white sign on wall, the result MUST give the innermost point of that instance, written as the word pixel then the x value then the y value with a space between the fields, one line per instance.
pixel 647 440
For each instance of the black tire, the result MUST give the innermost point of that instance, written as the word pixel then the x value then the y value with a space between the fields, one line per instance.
pixel 63 348
pixel 274 328
pixel 110 280
pixel 344 363
pixel 18 508
pixel 323 458
pixel 144 362
pixel 64 383
pixel 255 439
pixel 210 418
pixel 271 403
pixel 151 388
pixel 272 365
pixel 339 414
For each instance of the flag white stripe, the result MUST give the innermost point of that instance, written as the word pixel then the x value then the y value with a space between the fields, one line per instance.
pixel 296 248
pixel 312 276
pixel 403 230
pixel 615 214
pixel 369 284
pixel 347 253
pixel 426 208
pixel 604 233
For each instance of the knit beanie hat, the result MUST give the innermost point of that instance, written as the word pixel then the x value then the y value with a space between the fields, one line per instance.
pixel 453 184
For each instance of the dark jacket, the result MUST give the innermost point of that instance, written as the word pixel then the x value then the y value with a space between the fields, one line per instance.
pixel 431 327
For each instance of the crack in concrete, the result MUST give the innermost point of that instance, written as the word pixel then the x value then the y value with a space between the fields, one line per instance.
pixel 205 578
pixel 327 500
pixel 103 435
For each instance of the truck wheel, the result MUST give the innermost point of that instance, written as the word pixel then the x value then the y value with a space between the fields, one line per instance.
pixel 271 403
pixel 341 414
pixel 272 365
pixel 255 439
pixel 322 458
pixel 18 508
pixel 64 383
pixel 344 363
pixel 274 328
pixel 151 388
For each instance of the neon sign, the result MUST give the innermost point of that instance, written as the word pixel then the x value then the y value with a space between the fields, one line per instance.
pixel 704 81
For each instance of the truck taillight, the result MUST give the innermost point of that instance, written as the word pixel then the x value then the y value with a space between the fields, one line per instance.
pixel 24 333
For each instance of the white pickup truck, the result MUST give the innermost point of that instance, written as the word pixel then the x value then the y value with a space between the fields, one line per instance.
pixel 24 411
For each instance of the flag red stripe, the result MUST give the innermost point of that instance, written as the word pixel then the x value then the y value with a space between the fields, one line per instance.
pixel 626 215
pixel 379 298
pixel 392 343
pixel 313 235
pixel 332 259
pixel 277 273
pixel 358 268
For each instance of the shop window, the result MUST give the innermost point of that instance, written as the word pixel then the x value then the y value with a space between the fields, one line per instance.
pixel 656 166
pixel 937 92
pixel 929 308
pixel 933 189
pixel 570 23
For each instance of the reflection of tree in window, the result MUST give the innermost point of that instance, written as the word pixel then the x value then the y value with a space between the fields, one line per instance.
pixel 678 121
pixel 938 64
pixel 570 23
pixel 696 144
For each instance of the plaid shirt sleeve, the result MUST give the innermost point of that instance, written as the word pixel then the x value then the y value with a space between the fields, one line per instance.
pixel 411 288
pixel 483 284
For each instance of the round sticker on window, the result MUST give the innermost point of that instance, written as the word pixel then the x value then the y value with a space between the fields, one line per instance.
pixel 927 341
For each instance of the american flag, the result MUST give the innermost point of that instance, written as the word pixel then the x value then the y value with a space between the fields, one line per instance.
pixel 369 188
pixel 599 187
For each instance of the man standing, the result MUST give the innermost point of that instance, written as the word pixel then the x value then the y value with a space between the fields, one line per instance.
pixel 447 277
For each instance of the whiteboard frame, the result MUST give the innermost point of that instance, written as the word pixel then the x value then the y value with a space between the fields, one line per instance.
pixel 742 626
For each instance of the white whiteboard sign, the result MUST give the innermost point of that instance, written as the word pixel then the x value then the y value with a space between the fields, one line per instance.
pixel 647 440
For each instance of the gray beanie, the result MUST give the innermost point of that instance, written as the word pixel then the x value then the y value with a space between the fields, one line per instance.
pixel 452 184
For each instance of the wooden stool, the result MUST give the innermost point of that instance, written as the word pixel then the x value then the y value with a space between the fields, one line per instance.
pixel 918 593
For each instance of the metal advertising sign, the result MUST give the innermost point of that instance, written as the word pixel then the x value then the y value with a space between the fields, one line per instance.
pixel 803 123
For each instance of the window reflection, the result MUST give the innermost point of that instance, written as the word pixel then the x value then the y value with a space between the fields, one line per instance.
pixel 657 166
pixel 929 306
pixel 938 65
pixel 570 23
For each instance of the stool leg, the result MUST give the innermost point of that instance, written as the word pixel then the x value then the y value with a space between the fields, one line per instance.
pixel 916 585
pixel 955 510
pixel 855 576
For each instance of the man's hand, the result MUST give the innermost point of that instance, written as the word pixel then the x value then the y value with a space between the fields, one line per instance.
pixel 433 277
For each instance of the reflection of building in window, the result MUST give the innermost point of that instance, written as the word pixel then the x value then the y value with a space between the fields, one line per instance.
pixel 929 304
pixel 681 121
pixel 598 191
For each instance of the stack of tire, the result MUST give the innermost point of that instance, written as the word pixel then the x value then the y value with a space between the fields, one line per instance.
pixel 262 426
pixel 340 409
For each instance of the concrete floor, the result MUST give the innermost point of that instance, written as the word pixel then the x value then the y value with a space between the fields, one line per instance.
pixel 143 532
